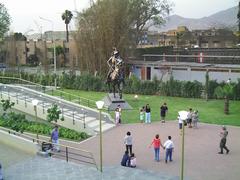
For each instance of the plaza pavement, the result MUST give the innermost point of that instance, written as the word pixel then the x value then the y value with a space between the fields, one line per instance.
pixel 201 159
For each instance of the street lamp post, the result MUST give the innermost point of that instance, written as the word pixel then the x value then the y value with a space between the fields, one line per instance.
pixel 54 51
pixel 100 106
pixel 35 103
pixel 182 115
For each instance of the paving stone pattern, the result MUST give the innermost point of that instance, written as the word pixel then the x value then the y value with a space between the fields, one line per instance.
pixel 39 168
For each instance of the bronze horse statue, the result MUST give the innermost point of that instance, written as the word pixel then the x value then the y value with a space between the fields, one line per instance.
pixel 115 81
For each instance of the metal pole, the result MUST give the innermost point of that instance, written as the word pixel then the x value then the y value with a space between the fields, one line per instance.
pixel 67 154
pixel 100 135
pixel 35 109
pixel 84 123
pixel 55 64
pixel 182 149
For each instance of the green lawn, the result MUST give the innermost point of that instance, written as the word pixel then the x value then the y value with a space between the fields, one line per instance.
pixel 209 111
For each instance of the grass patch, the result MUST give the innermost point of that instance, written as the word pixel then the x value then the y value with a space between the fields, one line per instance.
pixel 209 111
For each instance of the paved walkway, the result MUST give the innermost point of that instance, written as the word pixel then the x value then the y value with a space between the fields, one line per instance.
pixel 39 168
pixel 201 159
pixel 201 146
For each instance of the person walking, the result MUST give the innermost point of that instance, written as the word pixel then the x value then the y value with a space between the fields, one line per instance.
pixel 54 139
pixel 128 142
pixel 168 145
pixel 147 114
pixel 156 142
pixel 223 135
pixel 163 111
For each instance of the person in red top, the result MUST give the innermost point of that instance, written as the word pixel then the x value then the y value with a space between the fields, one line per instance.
pixel 156 144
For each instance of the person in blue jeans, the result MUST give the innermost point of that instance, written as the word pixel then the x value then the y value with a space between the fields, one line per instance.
pixel 156 142
pixel 147 114
pixel 168 145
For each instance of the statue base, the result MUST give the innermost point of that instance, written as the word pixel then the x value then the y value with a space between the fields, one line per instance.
pixel 112 102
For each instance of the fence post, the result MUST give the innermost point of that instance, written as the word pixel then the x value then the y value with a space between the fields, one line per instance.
pixel 67 154
pixel 43 107
pixel 25 101
pixel 17 97
pixel 73 117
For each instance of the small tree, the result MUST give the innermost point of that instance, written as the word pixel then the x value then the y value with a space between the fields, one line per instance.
pixel 224 92
pixel 6 104
pixel 54 114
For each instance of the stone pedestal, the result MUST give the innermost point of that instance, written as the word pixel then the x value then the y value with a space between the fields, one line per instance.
pixel 112 102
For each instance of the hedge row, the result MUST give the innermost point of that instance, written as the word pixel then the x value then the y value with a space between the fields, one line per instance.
pixel 17 122
pixel 133 85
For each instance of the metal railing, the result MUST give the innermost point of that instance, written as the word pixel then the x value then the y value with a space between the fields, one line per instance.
pixel 50 91
pixel 66 152
pixel 25 96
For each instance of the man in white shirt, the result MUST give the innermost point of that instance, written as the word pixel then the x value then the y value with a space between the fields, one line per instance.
pixel 168 145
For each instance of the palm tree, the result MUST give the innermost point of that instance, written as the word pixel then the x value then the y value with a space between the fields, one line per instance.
pixel 66 17
pixel 224 92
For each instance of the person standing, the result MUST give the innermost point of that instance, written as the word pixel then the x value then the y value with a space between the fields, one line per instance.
pixel 195 119
pixel 163 111
pixel 141 115
pixel 156 142
pixel 128 142
pixel 189 118
pixel 147 114
pixel 54 139
pixel 120 113
pixel 117 116
pixel 168 145
pixel 223 135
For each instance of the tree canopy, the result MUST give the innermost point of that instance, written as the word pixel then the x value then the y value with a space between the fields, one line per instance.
pixel 114 23
pixel 4 20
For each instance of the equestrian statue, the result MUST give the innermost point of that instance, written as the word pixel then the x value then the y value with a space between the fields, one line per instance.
pixel 115 76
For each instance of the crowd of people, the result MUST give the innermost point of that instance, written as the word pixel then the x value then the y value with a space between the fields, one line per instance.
pixel 191 121
pixel 129 159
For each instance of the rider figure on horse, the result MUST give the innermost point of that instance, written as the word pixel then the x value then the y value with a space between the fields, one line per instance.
pixel 114 63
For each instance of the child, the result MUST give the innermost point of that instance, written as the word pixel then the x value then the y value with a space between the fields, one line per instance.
pixel 195 119
pixel 117 116
pixel 168 145
pixel 133 161
pixel 141 115
pixel 156 144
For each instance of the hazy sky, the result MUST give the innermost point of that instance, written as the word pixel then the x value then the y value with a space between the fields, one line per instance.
pixel 25 13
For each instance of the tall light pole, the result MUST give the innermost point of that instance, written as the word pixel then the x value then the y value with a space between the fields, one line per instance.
pixel 100 106
pixel 35 103
pixel 54 50
pixel 182 115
